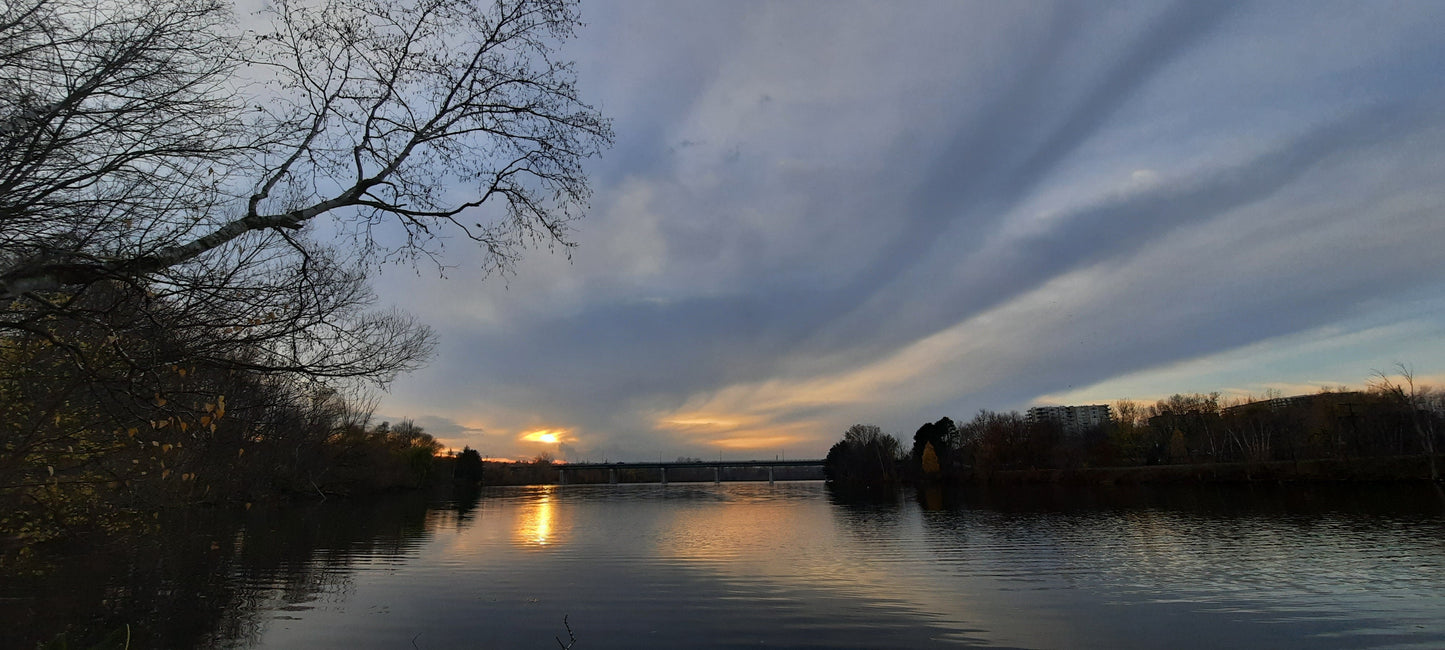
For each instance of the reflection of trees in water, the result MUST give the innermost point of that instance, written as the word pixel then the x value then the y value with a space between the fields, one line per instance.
pixel 870 514
pixel 1146 526
pixel 1209 500
pixel 1157 535
pixel 465 498
pixel 209 577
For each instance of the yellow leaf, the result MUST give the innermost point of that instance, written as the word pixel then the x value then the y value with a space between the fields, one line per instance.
pixel 165 448
pixel 181 371
pixel 240 452
pixel 165 473
pixel 132 431
pixel 184 426
pixel 51 468
pixel 205 420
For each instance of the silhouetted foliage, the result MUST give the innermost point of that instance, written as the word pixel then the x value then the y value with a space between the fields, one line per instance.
pixel 865 455
pixel 942 435
pixel 469 466
pixel 91 447
pixel 520 473
pixel 1394 417
pixel 169 332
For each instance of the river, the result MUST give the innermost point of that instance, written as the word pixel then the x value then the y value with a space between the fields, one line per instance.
pixel 787 565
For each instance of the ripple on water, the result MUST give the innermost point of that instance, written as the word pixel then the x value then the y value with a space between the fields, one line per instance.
pixel 793 565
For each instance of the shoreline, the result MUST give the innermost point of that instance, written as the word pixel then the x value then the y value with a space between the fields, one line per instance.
pixel 1414 468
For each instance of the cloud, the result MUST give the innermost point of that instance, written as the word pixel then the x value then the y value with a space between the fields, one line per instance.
pixel 819 217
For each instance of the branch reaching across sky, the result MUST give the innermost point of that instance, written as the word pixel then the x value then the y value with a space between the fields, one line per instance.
pixel 155 145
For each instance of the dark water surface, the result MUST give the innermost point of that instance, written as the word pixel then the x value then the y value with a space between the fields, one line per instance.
pixel 787 565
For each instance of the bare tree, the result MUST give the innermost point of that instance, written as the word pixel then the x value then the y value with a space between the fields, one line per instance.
pixel 1411 398
pixel 154 146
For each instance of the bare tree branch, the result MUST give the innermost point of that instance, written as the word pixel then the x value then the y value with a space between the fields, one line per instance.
pixel 152 146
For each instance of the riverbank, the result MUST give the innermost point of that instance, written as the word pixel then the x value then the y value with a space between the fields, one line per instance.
pixel 1332 470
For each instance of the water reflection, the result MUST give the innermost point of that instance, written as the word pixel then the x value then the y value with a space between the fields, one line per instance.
pixel 798 565
pixel 1259 566
pixel 535 525
pixel 207 577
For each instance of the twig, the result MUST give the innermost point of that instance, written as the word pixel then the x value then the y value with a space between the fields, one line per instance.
pixel 571 638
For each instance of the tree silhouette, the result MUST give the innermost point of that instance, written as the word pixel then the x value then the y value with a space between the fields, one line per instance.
pixel 942 436
pixel 865 455
pixel 469 466
pixel 153 145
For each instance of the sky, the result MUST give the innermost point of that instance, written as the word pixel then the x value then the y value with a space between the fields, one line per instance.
pixel 817 214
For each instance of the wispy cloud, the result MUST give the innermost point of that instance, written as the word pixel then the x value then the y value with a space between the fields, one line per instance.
pixel 818 215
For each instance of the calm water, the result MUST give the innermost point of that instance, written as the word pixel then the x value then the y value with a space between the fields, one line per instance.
pixel 790 565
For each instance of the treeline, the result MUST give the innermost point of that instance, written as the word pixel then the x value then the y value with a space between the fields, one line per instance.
pixel 108 418
pixel 1391 418
pixel 170 330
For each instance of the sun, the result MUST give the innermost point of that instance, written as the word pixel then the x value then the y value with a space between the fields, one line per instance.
pixel 544 436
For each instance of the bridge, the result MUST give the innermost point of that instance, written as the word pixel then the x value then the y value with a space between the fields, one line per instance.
pixel 717 467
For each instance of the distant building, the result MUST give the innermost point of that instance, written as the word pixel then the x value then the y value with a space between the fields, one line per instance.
pixel 1280 403
pixel 1073 419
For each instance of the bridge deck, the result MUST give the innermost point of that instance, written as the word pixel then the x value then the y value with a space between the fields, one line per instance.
pixel 707 464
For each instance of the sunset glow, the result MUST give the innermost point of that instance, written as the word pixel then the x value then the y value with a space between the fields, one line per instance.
pixel 1019 234
pixel 545 436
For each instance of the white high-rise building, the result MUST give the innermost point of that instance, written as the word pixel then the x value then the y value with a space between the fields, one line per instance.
pixel 1073 419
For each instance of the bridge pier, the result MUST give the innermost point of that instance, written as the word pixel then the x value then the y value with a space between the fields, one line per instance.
pixel 612 475
pixel 716 475
pixel 664 475
pixel 562 476
pixel 770 475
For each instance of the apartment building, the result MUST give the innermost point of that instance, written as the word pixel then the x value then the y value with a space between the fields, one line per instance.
pixel 1073 419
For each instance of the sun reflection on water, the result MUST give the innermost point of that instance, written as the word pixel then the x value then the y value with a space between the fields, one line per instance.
pixel 537 522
